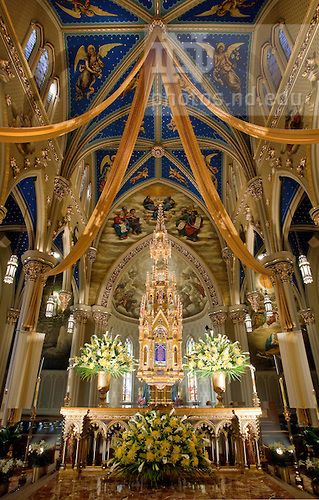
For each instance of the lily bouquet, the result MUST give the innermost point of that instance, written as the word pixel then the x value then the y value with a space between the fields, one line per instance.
pixel 217 354
pixel 160 447
pixel 9 467
pixel 104 354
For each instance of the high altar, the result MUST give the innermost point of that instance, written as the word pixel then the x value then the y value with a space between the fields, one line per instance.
pixel 89 433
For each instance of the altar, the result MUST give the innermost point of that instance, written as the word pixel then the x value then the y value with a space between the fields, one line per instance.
pixel 233 434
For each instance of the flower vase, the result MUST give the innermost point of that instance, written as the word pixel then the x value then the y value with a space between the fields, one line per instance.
pixel 219 385
pixel 103 386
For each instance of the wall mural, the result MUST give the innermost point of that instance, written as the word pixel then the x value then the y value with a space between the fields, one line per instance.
pixel 131 286
pixel 135 217
pixel 227 11
pixel 91 11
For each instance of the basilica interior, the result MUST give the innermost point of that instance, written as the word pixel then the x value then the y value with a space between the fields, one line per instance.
pixel 185 132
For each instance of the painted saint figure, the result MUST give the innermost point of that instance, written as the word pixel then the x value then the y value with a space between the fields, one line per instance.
pixel 189 224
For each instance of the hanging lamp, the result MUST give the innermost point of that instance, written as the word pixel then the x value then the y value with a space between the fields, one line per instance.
pixel 11 270
pixel 71 323
pixel 305 269
pixel 248 323
pixel 268 305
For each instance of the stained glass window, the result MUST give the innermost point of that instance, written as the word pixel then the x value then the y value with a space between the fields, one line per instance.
pixel 273 68
pixel 29 46
pixel 192 388
pixel 52 93
pixel 128 377
pixel 283 40
pixel 41 71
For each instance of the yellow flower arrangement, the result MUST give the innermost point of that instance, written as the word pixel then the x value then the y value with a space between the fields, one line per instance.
pixel 167 448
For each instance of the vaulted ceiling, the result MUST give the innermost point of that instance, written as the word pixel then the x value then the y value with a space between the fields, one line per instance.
pixel 111 35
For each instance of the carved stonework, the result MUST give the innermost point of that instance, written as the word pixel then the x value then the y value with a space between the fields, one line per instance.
pixel 6 71
pixel 35 270
pixel 308 316
pixel 91 254
pixel 218 318
pixel 227 255
pixel 237 316
pixel 255 298
pixel 282 270
pixel 157 23
pixel 3 213
pixel 19 67
pixel 12 315
pixel 145 244
pixel 81 316
pixel 101 319
pixel 255 188
pixel 158 151
pixel 294 73
pixel 61 188
pixel 64 297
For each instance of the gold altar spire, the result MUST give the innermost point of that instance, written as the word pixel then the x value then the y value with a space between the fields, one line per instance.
pixel 160 330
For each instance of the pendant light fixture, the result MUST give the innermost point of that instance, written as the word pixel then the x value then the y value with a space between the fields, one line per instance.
pixel 71 323
pixel 50 310
pixel 248 323
pixel 305 269
pixel 268 305
pixel 11 270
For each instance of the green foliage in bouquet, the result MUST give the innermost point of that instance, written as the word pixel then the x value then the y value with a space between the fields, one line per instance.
pixel 160 447
pixel 40 454
pixel 280 454
pixel 217 354
pixel 105 354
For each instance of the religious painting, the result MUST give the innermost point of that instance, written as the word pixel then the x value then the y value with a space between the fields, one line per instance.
pixel 126 221
pixel 235 8
pixel 225 11
pixel 85 8
pixel 293 121
pixel 90 68
pixel 130 288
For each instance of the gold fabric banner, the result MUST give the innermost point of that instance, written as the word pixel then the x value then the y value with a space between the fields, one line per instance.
pixel 117 171
pixel 282 136
pixel 201 174
pixel 37 134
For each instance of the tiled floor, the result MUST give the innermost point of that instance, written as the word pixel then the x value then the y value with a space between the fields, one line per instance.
pixel 232 486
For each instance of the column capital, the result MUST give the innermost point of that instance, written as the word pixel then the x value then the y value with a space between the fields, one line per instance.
pixel 61 187
pixel 81 313
pixel 227 255
pixel 237 313
pixel 314 214
pixel 281 265
pixel 255 299
pixel 307 315
pixel 218 315
pixel 101 316
pixel 12 315
pixel 65 297
pixel 36 264
pixel 255 188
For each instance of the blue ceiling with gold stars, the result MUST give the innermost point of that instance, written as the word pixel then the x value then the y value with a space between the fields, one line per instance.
pixel 104 39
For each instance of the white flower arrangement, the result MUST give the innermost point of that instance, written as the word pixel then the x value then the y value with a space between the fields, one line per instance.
pixel 41 453
pixel 217 354
pixel 8 467
pixel 106 354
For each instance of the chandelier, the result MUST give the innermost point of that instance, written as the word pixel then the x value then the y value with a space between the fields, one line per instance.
pixel 160 329
pixel 11 270
pixel 305 269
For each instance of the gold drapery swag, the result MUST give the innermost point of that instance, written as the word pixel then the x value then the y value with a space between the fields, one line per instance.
pixel 113 182
pixel 41 133
pixel 118 168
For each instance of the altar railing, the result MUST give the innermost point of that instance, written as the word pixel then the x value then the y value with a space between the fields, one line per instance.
pixel 89 434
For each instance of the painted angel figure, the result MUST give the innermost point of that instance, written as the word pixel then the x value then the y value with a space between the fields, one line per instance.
pixel 84 7
pixel 223 68
pixel 227 7
pixel 91 68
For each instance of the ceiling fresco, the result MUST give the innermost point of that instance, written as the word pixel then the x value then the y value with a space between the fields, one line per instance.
pixel 130 288
pixel 92 12
pixel 225 11
pixel 135 217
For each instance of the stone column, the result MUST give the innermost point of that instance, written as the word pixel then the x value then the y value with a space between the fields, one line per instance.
pixel 292 349
pixel 237 314
pixel 12 317
pixel 218 316
pixel 308 318
pixel 81 315
pixel 101 317
pixel 26 353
